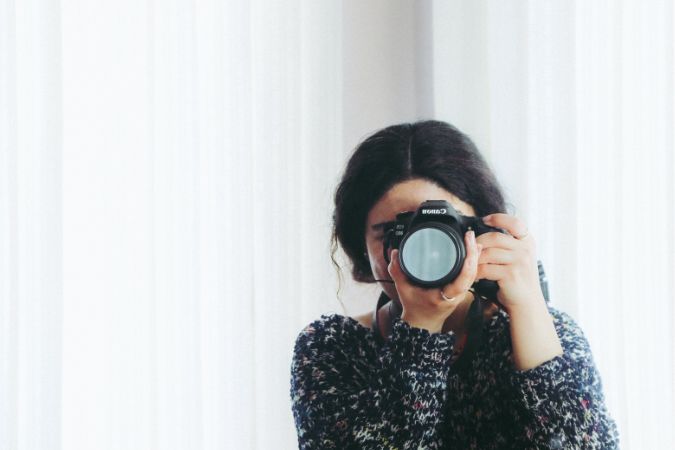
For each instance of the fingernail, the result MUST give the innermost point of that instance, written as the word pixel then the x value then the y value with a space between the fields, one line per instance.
pixel 487 218
pixel 480 247
pixel 472 236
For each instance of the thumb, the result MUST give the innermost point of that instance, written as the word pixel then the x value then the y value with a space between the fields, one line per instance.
pixel 394 268
pixel 400 280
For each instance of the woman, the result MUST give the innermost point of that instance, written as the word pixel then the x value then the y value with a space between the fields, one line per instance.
pixel 531 383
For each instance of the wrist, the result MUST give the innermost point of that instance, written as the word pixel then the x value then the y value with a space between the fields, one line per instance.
pixel 533 335
pixel 536 307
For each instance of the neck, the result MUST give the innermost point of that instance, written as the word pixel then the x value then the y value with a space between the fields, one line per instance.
pixel 454 322
pixel 396 307
pixel 457 320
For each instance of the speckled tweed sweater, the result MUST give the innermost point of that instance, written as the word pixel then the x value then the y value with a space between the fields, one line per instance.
pixel 348 392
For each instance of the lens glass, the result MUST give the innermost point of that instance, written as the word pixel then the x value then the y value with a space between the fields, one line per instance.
pixel 429 254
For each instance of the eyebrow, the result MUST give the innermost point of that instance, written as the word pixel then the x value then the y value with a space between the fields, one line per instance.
pixel 382 225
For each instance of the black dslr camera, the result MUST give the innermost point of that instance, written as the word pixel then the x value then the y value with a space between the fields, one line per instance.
pixel 431 245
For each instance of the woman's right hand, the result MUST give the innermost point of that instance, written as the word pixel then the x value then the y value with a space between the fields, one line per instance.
pixel 425 307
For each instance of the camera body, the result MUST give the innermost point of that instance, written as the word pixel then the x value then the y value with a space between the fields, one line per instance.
pixel 431 245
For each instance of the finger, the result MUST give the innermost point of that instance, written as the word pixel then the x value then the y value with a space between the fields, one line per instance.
pixel 494 255
pixel 467 276
pixel 512 224
pixel 499 240
pixel 494 272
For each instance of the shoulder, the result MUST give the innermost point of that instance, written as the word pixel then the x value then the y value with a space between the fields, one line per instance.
pixel 330 333
pixel 333 350
pixel 572 337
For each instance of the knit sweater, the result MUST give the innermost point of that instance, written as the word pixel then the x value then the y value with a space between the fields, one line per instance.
pixel 349 392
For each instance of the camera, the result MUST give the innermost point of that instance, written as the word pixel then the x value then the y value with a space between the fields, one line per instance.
pixel 431 245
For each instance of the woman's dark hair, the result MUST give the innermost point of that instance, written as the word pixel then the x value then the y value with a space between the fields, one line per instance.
pixel 432 150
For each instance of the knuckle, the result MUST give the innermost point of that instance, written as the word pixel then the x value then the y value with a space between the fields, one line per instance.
pixel 522 254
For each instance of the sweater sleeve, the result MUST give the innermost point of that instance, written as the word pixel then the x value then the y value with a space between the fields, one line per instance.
pixel 562 399
pixel 399 405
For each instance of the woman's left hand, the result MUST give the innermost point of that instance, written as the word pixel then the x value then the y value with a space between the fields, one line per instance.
pixel 511 262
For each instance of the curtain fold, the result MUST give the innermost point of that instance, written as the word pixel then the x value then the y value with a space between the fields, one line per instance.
pixel 166 180
pixel 573 104
pixel 30 225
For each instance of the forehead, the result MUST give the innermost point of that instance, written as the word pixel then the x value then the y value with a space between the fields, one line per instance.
pixel 407 196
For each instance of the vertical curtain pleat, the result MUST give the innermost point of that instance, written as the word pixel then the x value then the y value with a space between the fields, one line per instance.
pixel 31 289
pixel 580 132
pixel 166 180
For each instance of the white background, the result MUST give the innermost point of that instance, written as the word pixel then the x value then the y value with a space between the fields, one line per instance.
pixel 166 180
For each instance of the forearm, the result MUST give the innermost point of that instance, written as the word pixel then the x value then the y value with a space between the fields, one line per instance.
pixel 562 395
pixel 533 336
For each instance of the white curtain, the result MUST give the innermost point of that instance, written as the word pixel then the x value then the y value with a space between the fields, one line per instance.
pixel 165 180
pixel 166 173
pixel 573 103
pixel 31 270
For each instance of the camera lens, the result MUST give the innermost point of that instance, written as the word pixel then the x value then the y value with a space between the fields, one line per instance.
pixel 429 254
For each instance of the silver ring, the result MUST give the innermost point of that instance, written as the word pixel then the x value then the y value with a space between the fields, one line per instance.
pixel 446 298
